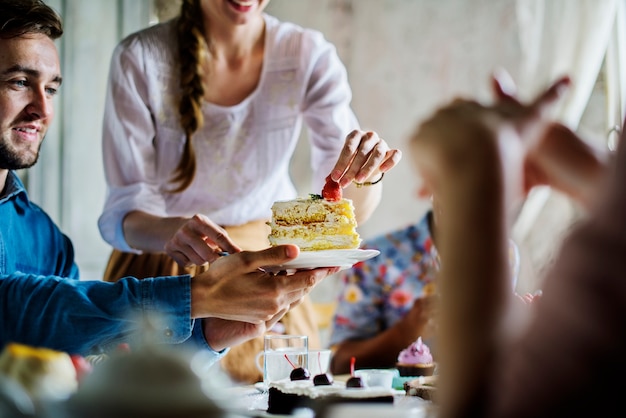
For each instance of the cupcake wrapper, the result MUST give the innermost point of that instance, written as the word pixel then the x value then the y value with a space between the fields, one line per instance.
pixel 412 370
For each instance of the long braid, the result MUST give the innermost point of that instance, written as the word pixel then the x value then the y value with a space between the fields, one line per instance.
pixel 192 49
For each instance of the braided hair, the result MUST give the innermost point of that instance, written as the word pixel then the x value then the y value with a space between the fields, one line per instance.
pixel 192 50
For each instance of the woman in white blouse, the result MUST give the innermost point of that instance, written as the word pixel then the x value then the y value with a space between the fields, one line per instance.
pixel 202 117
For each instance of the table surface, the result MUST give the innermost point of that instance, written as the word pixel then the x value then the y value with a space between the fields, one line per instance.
pixel 251 401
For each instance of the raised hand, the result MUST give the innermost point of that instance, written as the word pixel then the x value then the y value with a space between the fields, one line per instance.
pixel 445 145
pixel 363 155
pixel 559 157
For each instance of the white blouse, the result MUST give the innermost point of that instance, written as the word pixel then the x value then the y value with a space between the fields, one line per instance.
pixel 243 151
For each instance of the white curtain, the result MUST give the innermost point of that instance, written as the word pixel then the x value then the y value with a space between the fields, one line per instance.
pixel 559 37
pixel 615 69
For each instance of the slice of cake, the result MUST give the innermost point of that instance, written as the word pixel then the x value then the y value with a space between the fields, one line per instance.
pixel 314 224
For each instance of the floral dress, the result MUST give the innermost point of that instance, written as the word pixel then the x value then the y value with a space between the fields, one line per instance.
pixel 378 292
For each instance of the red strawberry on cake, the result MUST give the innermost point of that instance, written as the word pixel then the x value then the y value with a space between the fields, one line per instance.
pixel 332 190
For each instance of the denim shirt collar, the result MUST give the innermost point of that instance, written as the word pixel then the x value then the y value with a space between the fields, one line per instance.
pixel 13 187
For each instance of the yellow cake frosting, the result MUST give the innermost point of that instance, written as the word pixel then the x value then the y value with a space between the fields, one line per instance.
pixel 314 224
pixel 43 373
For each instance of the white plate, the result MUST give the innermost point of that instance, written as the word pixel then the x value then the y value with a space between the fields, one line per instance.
pixel 328 258
pixel 259 413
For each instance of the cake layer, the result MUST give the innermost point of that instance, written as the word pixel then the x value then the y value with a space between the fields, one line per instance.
pixel 314 224
pixel 315 238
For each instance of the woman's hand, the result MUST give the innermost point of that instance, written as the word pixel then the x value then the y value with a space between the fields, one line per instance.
pixel 199 240
pixel 559 157
pixel 528 298
pixel 364 156
pixel 463 139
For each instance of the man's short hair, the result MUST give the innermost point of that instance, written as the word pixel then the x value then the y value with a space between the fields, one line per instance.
pixel 23 17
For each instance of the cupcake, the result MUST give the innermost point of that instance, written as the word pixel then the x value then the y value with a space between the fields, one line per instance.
pixel 415 360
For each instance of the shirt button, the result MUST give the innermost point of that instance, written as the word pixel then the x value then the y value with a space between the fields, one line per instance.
pixel 168 333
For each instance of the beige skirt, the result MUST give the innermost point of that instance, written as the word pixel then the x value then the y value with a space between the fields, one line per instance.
pixel 240 360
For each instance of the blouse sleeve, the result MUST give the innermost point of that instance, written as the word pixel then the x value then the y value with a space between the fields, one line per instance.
pixel 327 106
pixel 127 141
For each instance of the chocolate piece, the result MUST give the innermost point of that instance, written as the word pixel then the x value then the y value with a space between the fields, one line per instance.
pixel 355 382
pixel 322 380
pixel 300 373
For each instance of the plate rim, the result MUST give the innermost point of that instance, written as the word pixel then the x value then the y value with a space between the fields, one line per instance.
pixel 356 255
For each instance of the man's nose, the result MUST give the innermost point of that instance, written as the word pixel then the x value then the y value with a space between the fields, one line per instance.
pixel 40 106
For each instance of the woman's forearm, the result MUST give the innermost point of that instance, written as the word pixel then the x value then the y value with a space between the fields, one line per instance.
pixel 149 233
pixel 365 199
pixel 573 166
pixel 472 241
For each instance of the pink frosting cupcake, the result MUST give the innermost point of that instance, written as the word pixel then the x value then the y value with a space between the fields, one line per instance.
pixel 416 360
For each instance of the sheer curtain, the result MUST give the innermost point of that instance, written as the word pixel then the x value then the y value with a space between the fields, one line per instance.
pixel 615 68
pixel 558 37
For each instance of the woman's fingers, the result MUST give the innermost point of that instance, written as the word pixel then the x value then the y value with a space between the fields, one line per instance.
pixel 392 158
pixel 199 240
pixel 204 227
pixel 362 155
pixel 505 91
pixel 359 157
pixel 551 94
pixel 503 86
pixel 346 156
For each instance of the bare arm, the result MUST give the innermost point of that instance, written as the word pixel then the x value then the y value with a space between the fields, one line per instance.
pixel 561 159
pixel 193 240
pixel 472 242
pixel 365 199
pixel 569 164
pixel 148 232
pixel 475 160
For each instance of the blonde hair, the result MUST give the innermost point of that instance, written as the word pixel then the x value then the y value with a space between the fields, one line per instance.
pixel 192 50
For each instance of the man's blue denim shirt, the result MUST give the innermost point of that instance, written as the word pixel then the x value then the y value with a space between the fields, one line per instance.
pixel 43 302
